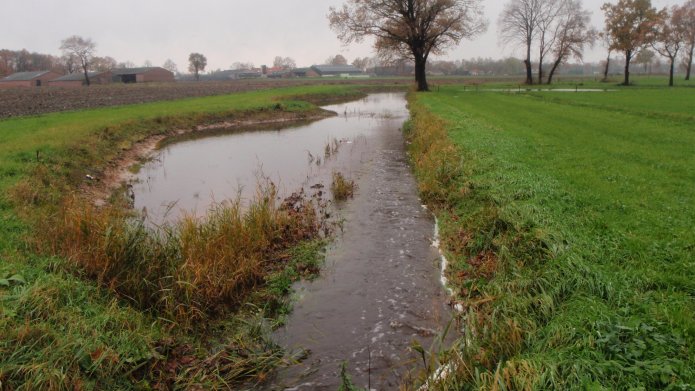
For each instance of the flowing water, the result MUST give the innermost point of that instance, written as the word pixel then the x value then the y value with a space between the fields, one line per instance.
pixel 380 287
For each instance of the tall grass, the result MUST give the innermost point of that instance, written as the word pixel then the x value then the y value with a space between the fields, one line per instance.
pixel 189 270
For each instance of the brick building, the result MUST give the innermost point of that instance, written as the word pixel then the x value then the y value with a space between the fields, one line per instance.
pixel 28 79
pixel 304 72
pixel 77 79
pixel 141 75
pixel 337 70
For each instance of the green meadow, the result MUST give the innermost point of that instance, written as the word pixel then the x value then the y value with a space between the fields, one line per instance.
pixel 570 222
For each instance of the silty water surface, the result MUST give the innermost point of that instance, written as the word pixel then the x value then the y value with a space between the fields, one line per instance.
pixel 380 287
pixel 379 290
pixel 188 174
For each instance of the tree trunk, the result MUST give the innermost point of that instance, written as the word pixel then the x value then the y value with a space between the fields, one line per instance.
pixel 608 64
pixel 420 73
pixel 628 54
pixel 690 62
pixel 670 74
pixel 86 74
pixel 540 65
pixel 197 75
pixel 556 64
pixel 527 62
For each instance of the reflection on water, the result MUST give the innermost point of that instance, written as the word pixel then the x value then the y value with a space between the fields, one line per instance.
pixel 191 174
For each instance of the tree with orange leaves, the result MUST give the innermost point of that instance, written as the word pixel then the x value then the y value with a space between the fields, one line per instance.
pixel 632 26
pixel 671 36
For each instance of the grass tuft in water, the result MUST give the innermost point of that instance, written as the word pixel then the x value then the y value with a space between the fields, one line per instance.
pixel 342 187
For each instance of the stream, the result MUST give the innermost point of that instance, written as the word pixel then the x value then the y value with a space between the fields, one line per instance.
pixel 379 289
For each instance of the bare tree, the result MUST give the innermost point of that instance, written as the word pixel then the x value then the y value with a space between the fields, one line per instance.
pixel 82 50
pixel 170 66
pixel 606 41
pixel 409 28
pixel 197 63
pixel 22 61
pixel 361 63
pixel 571 33
pixel 103 64
pixel 289 63
pixel 518 23
pixel 6 62
pixel 689 16
pixel 242 65
pixel 285 63
pixel 69 63
pixel 632 27
pixel 672 35
pixel 338 59
pixel 548 30
pixel 645 57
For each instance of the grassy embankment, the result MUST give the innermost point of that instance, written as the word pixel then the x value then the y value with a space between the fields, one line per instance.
pixel 568 219
pixel 93 299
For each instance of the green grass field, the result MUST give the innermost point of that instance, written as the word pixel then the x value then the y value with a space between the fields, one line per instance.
pixel 587 201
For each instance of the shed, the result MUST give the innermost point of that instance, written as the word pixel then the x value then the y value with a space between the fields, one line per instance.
pixel 337 70
pixel 77 79
pixel 304 72
pixel 248 74
pixel 28 79
pixel 141 75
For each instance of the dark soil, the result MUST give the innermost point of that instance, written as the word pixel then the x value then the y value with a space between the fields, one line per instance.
pixel 23 101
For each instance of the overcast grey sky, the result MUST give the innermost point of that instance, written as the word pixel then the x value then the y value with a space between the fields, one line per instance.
pixel 226 31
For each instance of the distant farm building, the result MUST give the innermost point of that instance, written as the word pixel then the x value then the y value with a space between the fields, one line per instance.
pixel 247 74
pixel 304 72
pixel 77 79
pixel 141 75
pixel 232 74
pixel 28 79
pixel 338 71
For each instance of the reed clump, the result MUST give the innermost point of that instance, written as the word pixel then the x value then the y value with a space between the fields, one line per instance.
pixel 342 187
pixel 437 161
pixel 190 270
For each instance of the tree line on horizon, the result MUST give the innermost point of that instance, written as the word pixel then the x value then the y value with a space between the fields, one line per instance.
pixel 555 31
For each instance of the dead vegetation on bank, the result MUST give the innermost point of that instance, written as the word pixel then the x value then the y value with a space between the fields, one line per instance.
pixel 187 272
pixel 441 181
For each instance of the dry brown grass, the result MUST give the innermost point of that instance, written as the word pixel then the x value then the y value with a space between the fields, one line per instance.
pixel 187 271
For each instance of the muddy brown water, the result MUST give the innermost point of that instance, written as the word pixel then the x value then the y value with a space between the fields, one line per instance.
pixel 379 289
